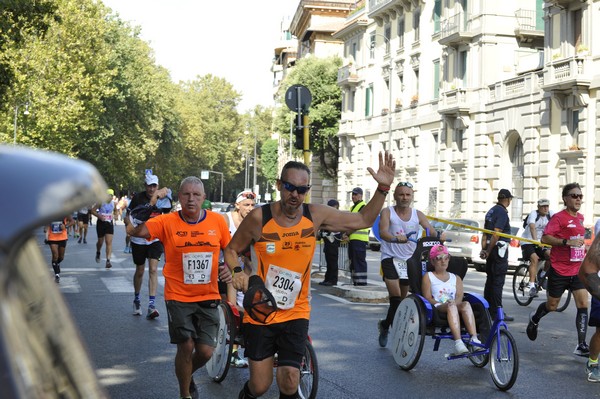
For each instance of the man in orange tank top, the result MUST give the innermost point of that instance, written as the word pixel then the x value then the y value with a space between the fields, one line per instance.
pixel 56 237
pixel 192 239
pixel 283 236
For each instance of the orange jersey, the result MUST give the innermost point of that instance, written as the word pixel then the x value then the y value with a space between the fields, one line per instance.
pixel 56 232
pixel 284 258
pixel 191 254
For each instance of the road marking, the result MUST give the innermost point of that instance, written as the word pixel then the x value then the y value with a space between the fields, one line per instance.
pixel 69 285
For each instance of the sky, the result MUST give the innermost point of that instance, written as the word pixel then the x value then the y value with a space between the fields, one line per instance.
pixel 232 39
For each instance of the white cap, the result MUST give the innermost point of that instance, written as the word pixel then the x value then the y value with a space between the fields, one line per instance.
pixel 151 179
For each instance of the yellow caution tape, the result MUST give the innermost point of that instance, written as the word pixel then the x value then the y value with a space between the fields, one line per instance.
pixel 466 226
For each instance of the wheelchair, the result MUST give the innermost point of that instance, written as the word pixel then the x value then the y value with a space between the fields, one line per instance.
pixel 229 333
pixel 416 317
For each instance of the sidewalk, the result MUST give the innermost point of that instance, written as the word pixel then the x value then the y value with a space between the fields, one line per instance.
pixel 373 292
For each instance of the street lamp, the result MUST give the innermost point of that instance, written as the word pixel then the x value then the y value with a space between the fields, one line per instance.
pixel 26 112
pixel 389 114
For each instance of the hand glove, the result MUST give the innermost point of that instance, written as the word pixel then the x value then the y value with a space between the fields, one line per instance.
pixel 141 214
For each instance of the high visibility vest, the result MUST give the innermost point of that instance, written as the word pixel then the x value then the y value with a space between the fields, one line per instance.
pixel 362 234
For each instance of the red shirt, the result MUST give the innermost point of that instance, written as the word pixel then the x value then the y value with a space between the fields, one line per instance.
pixel 565 259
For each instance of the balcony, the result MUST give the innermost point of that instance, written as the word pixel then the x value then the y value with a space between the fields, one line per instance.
pixel 347 76
pixel 456 30
pixel 563 3
pixel 563 74
pixel 529 29
pixel 455 102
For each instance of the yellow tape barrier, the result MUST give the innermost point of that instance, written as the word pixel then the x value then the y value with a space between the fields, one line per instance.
pixel 466 226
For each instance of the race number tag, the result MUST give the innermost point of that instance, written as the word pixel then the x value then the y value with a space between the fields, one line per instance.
pixel 56 227
pixel 577 254
pixel 401 268
pixel 285 285
pixel 197 267
pixel 106 217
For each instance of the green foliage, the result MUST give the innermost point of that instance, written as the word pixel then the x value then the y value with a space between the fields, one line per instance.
pixel 319 75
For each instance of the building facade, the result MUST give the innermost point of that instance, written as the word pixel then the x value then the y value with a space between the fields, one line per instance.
pixel 472 96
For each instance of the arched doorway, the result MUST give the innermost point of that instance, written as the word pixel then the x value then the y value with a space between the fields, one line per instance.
pixel 514 156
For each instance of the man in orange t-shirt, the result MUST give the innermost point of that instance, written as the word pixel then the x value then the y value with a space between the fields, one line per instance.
pixel 283 236
pixel 193 238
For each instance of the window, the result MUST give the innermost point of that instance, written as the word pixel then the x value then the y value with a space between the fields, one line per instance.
pixel 436 79
pixel 574 130
pixel 354 50
pixel 416 24
pixel 369 101
pixel 456 203
pixel 351 99
pixel 437 14
pixel 401 29
pixel 372 46
pixel 387 33
pixel 462 68
pixel 458 135
pixel 577 28
pixel 435 148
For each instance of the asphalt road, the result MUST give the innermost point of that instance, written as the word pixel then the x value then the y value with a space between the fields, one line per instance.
pixel 134 358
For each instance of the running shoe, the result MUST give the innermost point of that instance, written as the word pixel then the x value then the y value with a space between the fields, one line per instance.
pixel 582 350
pixel 238 361
pixel 79 241
pixel 97 257
pixel 383 333
pixel 84 241
pixel 460 348
pixel 593 372
pixel 532 328
pixel 137 308
pixel 533 292
pixel 126 250
pixel 57 278
pixel 194 389
pixel 152 313
pixel 108 264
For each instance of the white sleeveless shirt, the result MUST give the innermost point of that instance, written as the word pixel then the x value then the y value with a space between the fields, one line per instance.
pixel 443 291
pixel 398 226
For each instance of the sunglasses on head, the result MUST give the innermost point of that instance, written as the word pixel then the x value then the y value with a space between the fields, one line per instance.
pixel 248 195
pixel 291 188
pixel 575 196
pixel 442 257
pixel 405 184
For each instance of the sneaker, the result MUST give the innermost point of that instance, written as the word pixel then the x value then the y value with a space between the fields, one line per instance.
pixel 79 241
pixel 152 313
pixel 238 361
pixel 533 292
pixel 532 328
pixel 56 278
pixel 582 350
pixel 97 257
pixel 193 389
pixel 84 241
pixel 383 334
pixel 593 372
pixel 137 308
pixel 475 340
pixel 460 348
pixel 126 250
pixel 108 264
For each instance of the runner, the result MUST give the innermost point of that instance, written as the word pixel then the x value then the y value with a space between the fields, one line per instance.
pixel 83 218
pixel 104 226
pixel 56 237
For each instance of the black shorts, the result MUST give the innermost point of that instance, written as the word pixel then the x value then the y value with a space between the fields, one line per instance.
pixel 595 313
pixel 287 339
pixel 83 218
pixel 141 252
pixel 528 249
pixel 389 271
pixel 104 228
pixel 60 243
pixel 196 320
pixel 557 284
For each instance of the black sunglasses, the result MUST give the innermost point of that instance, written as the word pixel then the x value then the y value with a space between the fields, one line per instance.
pixel 576 196
pixel 405 184
pixel 291 188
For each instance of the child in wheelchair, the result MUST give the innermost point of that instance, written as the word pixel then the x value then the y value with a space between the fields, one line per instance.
pixel 444 291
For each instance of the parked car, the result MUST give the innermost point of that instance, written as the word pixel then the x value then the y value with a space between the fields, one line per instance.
pixel 514 250
pixel 222 207
pixel 41 352
pixel 462 241
pixel 374 244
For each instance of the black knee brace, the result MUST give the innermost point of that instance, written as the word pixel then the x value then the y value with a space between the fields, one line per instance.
pixel 245 393
pixel 581 324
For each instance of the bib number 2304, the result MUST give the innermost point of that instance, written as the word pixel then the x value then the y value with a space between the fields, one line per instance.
pixel 197 267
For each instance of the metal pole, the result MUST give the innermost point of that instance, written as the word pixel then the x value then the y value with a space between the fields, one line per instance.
pixel 254 177
pixel 222 187
pixel 389 199
pixel 15 135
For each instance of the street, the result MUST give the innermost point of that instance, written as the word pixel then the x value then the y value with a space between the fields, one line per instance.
pixel 134 358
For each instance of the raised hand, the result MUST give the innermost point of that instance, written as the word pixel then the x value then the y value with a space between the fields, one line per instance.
pixel 387 169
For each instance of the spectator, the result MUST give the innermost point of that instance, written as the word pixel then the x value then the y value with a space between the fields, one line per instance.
pixel 331 246
pixel 357 245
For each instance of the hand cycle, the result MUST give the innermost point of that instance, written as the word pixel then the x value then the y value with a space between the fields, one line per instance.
pixel 229 333
pixel 520 285
pixel 416 317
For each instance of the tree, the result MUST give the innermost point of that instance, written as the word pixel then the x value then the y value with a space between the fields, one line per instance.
pixel 319 75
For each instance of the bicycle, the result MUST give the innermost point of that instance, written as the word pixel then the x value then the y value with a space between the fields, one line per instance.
pixel 416 317
pixel 520 285
pixel 229 333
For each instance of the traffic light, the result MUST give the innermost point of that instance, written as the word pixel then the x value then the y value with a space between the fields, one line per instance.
pixel 298 132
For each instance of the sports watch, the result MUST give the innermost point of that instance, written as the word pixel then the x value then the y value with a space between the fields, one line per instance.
pixel 237 269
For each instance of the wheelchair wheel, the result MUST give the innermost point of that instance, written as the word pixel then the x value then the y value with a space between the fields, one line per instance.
pixel 484 324
pixel 504 360
pixel 218 365
pixel 309 374
pixel 520 285
pixel 564 301
pixel 408 332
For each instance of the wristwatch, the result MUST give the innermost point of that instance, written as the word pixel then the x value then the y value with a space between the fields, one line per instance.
pixel 237 269
pixel 564 241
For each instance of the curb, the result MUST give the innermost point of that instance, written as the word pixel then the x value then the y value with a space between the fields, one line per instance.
pixel 371 293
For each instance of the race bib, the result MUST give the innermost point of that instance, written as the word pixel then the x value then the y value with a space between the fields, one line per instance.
pixel 55 227
pixel 577 254
pixel 197 267
pixel 106 217
pixel 401 268
pixel 285 285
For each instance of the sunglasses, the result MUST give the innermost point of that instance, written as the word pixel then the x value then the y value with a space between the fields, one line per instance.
pixel 442 257
pixel 405 184
pixel 247 195
pixel 575 196
pixel 291 188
